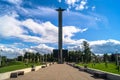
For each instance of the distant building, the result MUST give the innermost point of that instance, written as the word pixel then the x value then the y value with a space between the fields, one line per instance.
pixel 56 54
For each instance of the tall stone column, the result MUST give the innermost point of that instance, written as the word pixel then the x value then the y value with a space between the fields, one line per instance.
pixel 60 57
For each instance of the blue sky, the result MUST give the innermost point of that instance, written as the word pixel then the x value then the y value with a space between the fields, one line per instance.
pixel 31 25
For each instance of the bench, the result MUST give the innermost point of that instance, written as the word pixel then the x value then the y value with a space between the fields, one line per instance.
pixel 43 66
pixel 33 69
pixel 99 74
pixel 20 73
pixel 14 75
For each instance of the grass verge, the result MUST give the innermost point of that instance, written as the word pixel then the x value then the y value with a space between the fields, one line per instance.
pixel 111 67
pixel 16 66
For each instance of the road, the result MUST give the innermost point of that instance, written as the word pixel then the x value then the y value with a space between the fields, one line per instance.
pixel 57 72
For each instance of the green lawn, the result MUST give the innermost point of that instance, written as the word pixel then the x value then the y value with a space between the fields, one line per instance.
pixel 101 66
pixel 16 66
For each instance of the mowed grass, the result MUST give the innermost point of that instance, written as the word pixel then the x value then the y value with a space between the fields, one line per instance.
pixel 111 67
pixel 16 66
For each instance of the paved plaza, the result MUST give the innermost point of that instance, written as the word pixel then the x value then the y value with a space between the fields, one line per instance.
pixel 57 72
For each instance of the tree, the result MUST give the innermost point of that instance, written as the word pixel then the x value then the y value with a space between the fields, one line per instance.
pixel 87 52
pixel 105 57
pixel 4 59
pixel 37 57
pixel 20 58
pixel 113 57
pixel 29 57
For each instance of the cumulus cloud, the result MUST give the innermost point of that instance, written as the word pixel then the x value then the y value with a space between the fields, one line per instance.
pixel 37 11
pixel 10 26
pixel 70 18
pixel 93 8
pixel 77 4
pixel 15 1
pixel 100 46
pixel 70 30
pixel 82 5
pixel 71 2
pixel 46 32
pixel 42 48
pixel 10 52
pixel 59 1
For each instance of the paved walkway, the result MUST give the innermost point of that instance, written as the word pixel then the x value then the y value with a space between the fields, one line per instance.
pixel 57 72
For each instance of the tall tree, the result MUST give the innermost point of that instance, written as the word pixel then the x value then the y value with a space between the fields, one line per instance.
pixel 37 57
pixel 87 52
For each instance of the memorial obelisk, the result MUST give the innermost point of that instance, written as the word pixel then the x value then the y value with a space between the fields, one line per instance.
pixel 60 57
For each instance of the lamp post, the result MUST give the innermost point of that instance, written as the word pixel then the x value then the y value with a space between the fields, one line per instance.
pixel 0 58
pixel 46 58
pixel 43 58
pixel 117 57
pixel 60 10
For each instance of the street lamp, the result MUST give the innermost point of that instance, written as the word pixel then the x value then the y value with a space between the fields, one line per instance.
pixel 117 57
pixel 0 58
pixel 43 58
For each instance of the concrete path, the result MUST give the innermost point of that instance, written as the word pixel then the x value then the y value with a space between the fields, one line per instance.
pixel 57 72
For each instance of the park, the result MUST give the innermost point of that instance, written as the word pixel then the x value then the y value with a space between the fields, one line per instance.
pixel 62 63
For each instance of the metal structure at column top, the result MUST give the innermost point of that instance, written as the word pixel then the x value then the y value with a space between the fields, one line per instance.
pixel 60 10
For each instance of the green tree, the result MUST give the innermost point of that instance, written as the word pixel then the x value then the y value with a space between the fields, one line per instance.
pixel 87 52
pixel 4 59
pixel 105 57
pixel 37 57
pixel 113 57
pixel 20 58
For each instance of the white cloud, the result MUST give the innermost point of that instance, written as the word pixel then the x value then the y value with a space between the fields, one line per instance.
pixel 29 38
pixel 86 20
pixel 14 52
pixel 100 46
pixel 9 26
pixel 38 11
pixel 93 8
pixel 43 49
pixel 29 50
pixel 77 4
pixel 105 46
pixel 15 1
pixel 82 5
pixel 102 42
pixel 59 1
pixel 69 31
pixel 10 52
pixel 47 31
pixel 71 2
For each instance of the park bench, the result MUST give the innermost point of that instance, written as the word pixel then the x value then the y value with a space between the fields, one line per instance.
pixel 43 66
pixel 20 73
pixel 16 74
pixel 33 69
